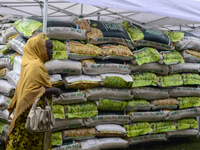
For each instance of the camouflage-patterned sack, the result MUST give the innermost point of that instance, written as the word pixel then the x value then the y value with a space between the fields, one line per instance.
pixel 170 80
pixel 191 78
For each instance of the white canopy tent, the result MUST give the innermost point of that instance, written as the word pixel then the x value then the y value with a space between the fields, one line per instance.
pixel 167 15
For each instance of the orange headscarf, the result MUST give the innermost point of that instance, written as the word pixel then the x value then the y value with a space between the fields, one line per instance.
pixel 34 78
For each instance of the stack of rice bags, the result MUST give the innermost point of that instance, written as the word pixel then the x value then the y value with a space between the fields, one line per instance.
pixel 161 107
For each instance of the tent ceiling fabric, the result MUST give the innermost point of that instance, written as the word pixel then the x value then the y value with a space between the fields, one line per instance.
pixel 166 15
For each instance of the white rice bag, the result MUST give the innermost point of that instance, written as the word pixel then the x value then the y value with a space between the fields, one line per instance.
pixel 6 88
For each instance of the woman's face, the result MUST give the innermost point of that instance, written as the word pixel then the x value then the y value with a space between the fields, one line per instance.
pixel 49 46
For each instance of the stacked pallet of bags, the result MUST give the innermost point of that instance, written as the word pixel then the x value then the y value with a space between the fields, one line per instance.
pixel 161 108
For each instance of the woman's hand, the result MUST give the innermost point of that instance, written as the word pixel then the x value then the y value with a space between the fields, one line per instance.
pixel 53 90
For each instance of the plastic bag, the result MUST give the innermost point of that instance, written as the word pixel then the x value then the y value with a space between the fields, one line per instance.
pixel 170 80
pixel 8 33
pixel 187 67
pixel 191 56
pixel 113 105
pixel 184 91
pixel 186 102
pixel 58 112
pixel 187 124
pixel 182 133
pixel 159 127
pixel 56 139
pixel 56 80
pixel 4 102
pixel 138 105
pixel 6 88
pixel 191 78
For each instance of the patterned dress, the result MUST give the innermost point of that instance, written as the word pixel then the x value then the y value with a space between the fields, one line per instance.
pixel 21 139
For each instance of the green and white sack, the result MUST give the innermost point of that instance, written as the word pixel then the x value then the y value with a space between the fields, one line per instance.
pixel 110 130
pixel 116 80
pixel 109 93
pixel 64 66
pixel 146 139
pixel 182 133
pixel 191 78
pixel 187 102
pixel 188 57
pixel 104 143
pixel 6 63
pixel 63 124
pixel 62 33
pixel 56 80
pixel 186 124
pixel 184 91
pixel 106 119
pixel 187 67
pixel 150 67
pixel 4 102
pixel 70 98
pixel 165 126
pixel 185 113
pixel 137 104
pixel 150 93
pixel 76 146
pixel 12 77
pixel 58 111
pixel 56 139
pixel 8 33
pixel 6 88
pixel 4 116
pixel 18 44
pixel 170 80
pixel 149 116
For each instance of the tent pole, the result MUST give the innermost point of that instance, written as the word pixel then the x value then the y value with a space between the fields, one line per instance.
pixel 45 16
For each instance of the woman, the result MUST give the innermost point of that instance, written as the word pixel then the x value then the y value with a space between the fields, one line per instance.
pixel 34 82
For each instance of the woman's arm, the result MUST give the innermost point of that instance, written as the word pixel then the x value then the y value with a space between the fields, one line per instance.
pixel 53 90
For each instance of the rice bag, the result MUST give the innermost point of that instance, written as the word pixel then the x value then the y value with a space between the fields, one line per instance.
pixel 187 67
pixel 150 93
pixel 4 102
pixel 187 124
pixel 8 33
pixel 56 80
pixel 118 52
pixel 63 124
pixel 108 93
pixel 149 116
pixel 171 57
pixel 184 113
pixel 137 104
pixel 6 88
pixel 80 51
pixel 112 105
pixel 140 128
pixel 64 66
pixel 191 78
pixel 116 80
pixel 182 133
pixel 148 36
pixel 191 56
pixel 18 44
pixel 104 143
pixel 70 98
pixel 4 116
pixel 3 72
pixel 12 78
pixel 170 80
pixel 110 130
pixel 184 91
pixel 58 112
pixel 56 139
pixel 184 40
pixel 144 79
pixel 82 110
pixel 145 55
pixel 79 134
pixel 171 103
pixel 107 119
pixel 165 126
pixel 106 66
pixel 6 26
pixel 102 32
pixel 186 102
pixel 6 63
pixel 71 146
pixel 17 64
pixel 59 50
pixel 146 138
pixel 150 67
pixel 81 81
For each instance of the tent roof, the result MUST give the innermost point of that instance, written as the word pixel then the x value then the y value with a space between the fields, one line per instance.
pixel 167 15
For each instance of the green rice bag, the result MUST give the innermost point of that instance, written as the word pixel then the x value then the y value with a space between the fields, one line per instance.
pixel 58 112
pixel 56 139
pixel 1 126
pixel 59 50
pixel 191 78
pixel 82 110
pixel 144 79
pixel 27 26
pixel 138 102
pixel 172 57
pixel 146 55
pixel 166 126
pixel 186 102
pixel 116 82
pixel 176 36
pixel 106 104
pixel 5 49
pixel 170 80
pixel 187 124
pixel 139 128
